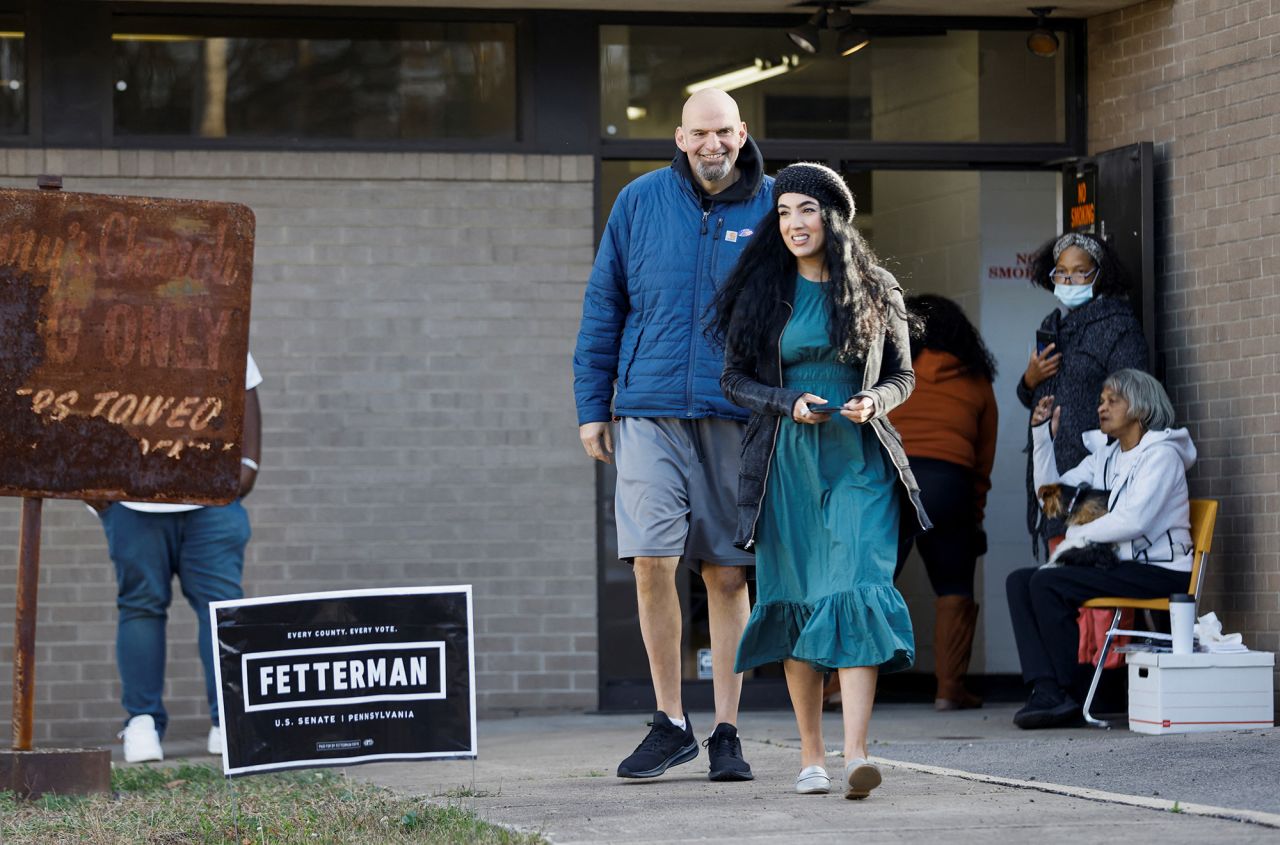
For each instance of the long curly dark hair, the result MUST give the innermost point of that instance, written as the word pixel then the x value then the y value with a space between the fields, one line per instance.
pixel 1112 279
pixel 858 293
pixel 942 326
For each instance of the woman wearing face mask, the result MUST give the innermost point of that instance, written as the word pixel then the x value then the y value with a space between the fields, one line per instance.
pixel 816 347
pixel 1093 334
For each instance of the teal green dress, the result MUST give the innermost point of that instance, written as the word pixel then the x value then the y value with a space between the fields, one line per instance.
pixel 827 540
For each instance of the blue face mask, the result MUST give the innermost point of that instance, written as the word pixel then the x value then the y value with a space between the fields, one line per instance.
pixel 1073 296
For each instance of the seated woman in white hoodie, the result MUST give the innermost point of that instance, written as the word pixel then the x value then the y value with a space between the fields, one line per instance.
pixel 1142 460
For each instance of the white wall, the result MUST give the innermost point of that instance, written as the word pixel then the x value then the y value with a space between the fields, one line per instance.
pixel 1018 212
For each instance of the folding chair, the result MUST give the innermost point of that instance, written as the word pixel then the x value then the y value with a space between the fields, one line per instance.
pixel 1204 513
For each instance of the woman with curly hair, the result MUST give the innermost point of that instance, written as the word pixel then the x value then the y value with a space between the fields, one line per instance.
pixel 817 349
pixel 949 429
pixel 1094 333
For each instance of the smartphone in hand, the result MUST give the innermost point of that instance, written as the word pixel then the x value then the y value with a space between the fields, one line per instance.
pixel 1043 339
pixel 829 408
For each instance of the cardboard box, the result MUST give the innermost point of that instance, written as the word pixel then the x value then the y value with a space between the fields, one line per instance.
pixel 1183 693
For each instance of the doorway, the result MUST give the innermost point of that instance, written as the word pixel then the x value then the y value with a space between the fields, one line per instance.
pixel 964 234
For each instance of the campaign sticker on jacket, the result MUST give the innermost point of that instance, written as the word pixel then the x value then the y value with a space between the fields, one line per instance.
pixel 346 677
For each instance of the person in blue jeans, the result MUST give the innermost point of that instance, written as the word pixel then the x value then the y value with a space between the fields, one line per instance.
pixel 150 544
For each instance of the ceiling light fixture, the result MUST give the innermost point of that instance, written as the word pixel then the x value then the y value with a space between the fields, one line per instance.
pixel 852 40
pixel 837 18
pixel 749 75
pixel 1042 41
pixel 129 36
pixel 808 35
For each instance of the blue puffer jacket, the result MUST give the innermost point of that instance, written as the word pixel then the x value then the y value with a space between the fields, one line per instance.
pixel 661 260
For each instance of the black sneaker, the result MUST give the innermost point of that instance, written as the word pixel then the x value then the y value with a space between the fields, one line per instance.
pixel 1047 710
pixel 725 752
pixel 664 747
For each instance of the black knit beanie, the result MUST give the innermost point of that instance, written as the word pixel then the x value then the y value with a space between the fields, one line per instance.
pixel 817 181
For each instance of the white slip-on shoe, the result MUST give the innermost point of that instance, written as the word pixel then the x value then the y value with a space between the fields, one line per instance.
pixel 813 780
pixel 861 777
pixel 141 740
pixel 214 745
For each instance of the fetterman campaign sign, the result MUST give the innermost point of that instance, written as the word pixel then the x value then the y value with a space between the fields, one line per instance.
pixel 328 679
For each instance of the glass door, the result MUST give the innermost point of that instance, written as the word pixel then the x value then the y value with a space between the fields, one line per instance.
pixel 966 235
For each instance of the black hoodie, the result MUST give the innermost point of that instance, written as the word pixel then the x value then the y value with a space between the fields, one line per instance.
pixel 750 165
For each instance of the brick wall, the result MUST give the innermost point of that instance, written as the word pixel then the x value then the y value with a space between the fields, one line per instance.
pixel 1201 79
pixel 413 316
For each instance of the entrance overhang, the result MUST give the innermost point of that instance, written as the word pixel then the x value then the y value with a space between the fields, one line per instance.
pixel 734 8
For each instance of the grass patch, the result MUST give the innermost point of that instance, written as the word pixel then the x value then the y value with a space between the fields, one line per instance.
pixel 188 804
pixel 459 792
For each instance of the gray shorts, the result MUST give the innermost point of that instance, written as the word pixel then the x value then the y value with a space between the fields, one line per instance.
pixel 677 489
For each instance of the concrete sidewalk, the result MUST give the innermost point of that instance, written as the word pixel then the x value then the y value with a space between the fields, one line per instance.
pixel 960 777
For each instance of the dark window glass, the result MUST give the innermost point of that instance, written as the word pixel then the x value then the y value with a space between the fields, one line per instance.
pixel 616 175
pixel 13 77
pixel 912 85
pixel 433 81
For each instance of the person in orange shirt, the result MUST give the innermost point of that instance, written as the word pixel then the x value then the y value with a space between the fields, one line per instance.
pixel 948 426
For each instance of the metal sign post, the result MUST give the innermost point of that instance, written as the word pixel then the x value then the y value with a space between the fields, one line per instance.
pixel 24 626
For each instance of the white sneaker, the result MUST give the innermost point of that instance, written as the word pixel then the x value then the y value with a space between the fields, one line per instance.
pixel 141 741
pixel 214 745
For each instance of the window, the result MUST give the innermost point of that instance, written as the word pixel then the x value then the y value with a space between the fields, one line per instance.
pixel 407 81
pixel 921 84
pixel 13 76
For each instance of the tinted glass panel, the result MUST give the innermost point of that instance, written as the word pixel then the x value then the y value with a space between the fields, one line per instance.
pixel 455 80
pixel 912 85
pixel 13 78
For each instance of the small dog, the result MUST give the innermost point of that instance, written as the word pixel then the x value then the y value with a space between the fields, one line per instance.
pixel 1078 506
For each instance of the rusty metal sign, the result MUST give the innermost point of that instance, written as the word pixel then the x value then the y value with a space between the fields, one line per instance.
pixel 124 326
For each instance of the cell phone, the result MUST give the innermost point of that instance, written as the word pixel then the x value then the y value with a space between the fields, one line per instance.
pixel 829 408
pixel 1044 338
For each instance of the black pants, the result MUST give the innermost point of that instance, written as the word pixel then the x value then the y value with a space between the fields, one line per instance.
pixel 1044 603
pixel 951 548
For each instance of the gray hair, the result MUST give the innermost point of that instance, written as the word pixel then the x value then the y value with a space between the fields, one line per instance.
pixel 1148 402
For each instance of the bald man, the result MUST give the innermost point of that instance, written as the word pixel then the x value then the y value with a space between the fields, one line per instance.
pixel 647 385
